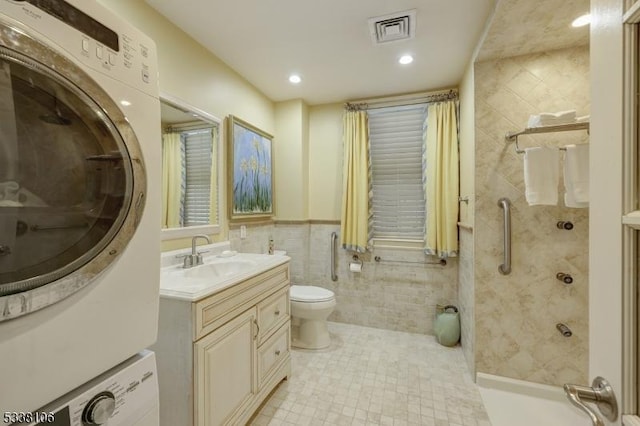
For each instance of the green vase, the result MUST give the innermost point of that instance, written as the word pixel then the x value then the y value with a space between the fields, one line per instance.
pixel 447 326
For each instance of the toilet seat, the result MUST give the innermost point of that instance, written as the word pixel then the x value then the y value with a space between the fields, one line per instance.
pixel 310 294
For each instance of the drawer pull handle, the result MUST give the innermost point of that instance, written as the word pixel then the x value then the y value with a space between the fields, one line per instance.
pixel 277 311
pixel 277 352
pixel 257 329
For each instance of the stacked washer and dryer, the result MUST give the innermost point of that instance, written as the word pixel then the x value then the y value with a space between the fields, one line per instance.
pixel 80 160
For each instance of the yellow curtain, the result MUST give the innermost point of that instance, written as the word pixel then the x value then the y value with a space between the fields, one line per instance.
pixel 440 154
pixel 171 180
pixel 213 195
pixel 354 224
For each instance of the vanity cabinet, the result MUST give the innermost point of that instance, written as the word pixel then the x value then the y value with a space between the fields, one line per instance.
pixel 220 357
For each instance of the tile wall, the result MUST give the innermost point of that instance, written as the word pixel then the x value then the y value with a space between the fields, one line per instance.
pixel 516 315
pixel 390 295
pixel 466 297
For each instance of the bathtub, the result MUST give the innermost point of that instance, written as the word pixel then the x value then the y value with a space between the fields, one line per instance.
pixel 515 402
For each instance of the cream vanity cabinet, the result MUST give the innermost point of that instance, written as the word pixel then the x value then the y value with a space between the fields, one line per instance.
pixel 221 356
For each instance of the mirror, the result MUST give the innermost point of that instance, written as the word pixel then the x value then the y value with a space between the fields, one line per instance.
pixel 190 170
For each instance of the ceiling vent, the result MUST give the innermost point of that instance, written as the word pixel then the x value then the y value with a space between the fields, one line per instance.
pixel 393 27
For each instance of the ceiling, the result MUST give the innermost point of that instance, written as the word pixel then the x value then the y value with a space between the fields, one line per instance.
pixel 521 27
pixel 328 43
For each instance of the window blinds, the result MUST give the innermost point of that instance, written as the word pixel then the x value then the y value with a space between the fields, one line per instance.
pixel 396 140
pixel 198 157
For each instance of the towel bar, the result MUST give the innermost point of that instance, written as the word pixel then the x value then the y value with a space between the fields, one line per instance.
pixel 441 262
pixel 513 136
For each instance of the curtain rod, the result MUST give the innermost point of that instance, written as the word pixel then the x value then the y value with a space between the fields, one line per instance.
pixel 418 98
pixel 184 127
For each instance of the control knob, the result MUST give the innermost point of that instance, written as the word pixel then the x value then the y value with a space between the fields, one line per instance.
pixel 565 278
pixel 99 409
pixel 568 226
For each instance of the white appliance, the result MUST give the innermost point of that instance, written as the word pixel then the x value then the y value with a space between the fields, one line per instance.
pixel 80 162
pixel 126 395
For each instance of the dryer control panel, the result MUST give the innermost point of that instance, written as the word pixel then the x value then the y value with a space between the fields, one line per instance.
pixel 122 396
pixel 93 36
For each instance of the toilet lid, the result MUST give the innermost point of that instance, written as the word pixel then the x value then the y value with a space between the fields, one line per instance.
pixel 309 293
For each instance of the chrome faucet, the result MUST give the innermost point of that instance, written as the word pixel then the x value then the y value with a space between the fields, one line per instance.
pixel 195 258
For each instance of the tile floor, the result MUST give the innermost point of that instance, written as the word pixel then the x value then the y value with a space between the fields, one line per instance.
pixel 376 377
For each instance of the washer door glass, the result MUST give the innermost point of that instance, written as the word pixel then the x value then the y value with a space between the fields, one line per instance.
pixel 65 176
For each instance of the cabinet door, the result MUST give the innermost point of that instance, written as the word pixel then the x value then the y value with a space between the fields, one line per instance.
pixel 225 367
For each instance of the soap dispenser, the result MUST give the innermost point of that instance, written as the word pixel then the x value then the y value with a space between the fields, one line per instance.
pixel 271 246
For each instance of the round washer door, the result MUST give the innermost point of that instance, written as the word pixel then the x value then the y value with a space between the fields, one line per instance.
pixel 72 179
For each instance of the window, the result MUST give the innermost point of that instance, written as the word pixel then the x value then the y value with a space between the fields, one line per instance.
pixel 396 143
pixel 198 147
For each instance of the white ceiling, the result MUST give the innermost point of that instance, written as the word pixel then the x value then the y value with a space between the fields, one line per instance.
pixel 328 43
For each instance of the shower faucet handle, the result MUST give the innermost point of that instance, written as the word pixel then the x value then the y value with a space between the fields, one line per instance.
pixel 566 225
pixel 565 278
pixel 601 393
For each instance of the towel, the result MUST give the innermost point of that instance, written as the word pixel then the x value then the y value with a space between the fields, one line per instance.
pixel 583 119
pixel 541 175
pixel 570 202
pixel 552 118
pixel 576 176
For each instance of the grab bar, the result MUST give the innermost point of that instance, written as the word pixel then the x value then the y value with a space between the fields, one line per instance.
pixel 505 268
pixel 441 262
pixel 334 240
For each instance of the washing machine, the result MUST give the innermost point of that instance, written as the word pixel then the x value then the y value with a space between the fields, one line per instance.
pixel 125 395
pixel 80 160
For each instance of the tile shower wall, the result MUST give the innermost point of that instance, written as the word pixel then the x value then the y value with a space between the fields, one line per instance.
pixel 466 297
pixel 516 315
pixel 393 296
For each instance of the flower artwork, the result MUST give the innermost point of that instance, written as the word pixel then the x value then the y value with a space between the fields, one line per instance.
pixel 251 175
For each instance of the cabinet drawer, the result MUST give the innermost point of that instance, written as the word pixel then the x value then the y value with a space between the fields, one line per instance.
pixel 215 310
pixel 272 313
pixel 273 353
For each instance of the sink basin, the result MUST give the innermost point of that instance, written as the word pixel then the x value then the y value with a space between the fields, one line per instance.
pixel 216 274
pixel 216 269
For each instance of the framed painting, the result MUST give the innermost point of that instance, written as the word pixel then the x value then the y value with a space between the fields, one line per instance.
pixel 250 179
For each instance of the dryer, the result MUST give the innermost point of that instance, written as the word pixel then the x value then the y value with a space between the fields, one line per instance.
pixel 80 160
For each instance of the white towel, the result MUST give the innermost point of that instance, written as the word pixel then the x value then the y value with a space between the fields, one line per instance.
pixel 534 121
pixel 570 202
pixel 541 175
pixel 552 118
pixel 555 118
pixel 576 176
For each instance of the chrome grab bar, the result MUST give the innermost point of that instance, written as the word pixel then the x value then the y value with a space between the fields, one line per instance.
pixel 505 268
pixel 601 393
pixel 334 240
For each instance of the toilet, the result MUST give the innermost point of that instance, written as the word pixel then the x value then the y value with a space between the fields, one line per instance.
pixel 310 308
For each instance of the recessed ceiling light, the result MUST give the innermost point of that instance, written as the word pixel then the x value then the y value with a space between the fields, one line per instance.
pixel 125 102
pixel 295 78
pixel 582 21
pixel 405 59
